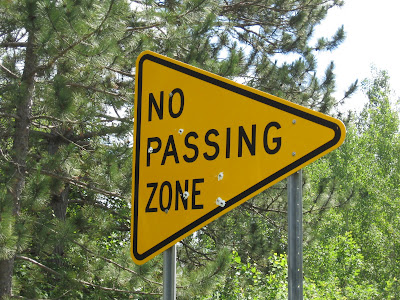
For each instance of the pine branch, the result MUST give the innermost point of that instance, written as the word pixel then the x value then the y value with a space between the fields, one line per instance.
pixel 192 261
pixel 13 44
pixel 277 197
pixel 73 138
pixel 5 156
pixel 74 143
pixel 73 181
pixel 190 10
pixel 144 27
pixel 50 118
pixel 195 251
pixel 97 204
pixel 115 110
pixel 101 132
pixel 83 282
pixel 111 118
pixel 117 264
pixel 82 184
pixel 327 207
pixel 258 209
pixel 332 191
pixel 314 203
pixel 92 89
pixel 352 88
pixel 7 115
pixel 38 264
pixel 76 43
pixel 256 3
pixel 121 72
pixel 13 75
pixel 109 260
pixel 66 120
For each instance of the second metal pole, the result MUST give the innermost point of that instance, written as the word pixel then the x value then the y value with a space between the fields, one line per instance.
pixel 295 236
pixel 169 274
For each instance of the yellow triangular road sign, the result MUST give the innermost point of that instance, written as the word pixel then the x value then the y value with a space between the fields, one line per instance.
pixel 204 144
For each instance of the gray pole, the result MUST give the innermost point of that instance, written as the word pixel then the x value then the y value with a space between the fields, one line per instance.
pixel 169 275
pixel 295 236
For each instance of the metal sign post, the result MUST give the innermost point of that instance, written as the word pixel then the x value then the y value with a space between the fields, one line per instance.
pixel 169 275
pixel 295 237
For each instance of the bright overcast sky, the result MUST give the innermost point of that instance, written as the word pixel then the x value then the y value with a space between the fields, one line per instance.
pixel 371 28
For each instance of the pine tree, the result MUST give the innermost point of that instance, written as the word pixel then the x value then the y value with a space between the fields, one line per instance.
pixel 64 96
pixel 66 107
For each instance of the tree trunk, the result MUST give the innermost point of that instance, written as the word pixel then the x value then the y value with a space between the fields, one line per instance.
pixel 59 203
pixel 19 153
pixel 59 199
pixel 6 270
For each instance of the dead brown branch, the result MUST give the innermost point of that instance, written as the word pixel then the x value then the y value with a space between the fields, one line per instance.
pixel 13 75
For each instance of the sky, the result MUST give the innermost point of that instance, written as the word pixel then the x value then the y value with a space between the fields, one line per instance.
pixel 372 38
